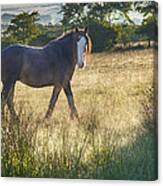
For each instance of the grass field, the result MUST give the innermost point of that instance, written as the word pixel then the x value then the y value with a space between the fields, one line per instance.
pixel 114 139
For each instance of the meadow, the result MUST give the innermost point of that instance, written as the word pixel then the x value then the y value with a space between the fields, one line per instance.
pixel 116 137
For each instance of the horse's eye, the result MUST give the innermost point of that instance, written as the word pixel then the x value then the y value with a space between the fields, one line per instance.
pixel 79 37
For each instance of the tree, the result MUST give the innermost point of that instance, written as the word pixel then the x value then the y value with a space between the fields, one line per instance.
pixel 149 27
pixel 73 15
pixel 103 36
pixel 81 14
pixel 147 8
pixel 48 32
pixel 149 30
pixel 97 17
pixel 23 27
pixel 125 33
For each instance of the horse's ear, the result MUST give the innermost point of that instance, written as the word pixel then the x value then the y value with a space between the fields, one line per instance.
pixel 86 29
pixel 76 29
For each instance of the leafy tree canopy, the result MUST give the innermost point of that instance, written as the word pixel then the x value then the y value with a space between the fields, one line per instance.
pixel 23 27
pixel 81 14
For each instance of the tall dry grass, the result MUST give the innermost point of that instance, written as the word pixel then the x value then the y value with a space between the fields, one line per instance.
pixel 115 138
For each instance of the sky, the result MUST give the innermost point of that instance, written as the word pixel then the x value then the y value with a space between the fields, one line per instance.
pixel 49 13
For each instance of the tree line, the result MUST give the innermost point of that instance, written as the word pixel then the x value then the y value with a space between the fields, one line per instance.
pixel 109 25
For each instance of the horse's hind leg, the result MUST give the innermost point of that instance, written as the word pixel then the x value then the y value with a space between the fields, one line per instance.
pixel 53 100
pixel 70 99
pixel 10 104
pixel 5 94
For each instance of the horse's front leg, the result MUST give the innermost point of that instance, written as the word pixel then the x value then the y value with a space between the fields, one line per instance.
pixel 53 100
pixel 70 99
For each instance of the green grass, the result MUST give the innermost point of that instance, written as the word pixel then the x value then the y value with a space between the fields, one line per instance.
pixel 115 138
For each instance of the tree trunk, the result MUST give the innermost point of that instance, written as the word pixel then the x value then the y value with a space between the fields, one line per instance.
pixel 149 43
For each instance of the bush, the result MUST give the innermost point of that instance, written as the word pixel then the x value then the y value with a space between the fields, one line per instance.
pixel 103 37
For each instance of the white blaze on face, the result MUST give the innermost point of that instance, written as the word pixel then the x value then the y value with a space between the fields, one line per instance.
pixel 81 44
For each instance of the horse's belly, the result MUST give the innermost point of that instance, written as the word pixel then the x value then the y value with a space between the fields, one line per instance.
pixel 36 77
pixel 36 84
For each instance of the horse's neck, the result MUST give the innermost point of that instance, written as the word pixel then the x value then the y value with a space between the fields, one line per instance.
pixel 67 47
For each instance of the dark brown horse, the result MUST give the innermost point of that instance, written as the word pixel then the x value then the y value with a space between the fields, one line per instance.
pixel 50 65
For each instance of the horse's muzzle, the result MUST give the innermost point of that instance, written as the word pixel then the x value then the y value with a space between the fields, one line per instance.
pixel 81 65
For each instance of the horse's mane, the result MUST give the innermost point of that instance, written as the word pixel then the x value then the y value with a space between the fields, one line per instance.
pixel 67 34
pixel 62 37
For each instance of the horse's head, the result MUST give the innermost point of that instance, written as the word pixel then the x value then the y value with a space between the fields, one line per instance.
pixel 84 46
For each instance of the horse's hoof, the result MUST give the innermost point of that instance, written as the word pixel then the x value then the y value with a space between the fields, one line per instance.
pixel 47 117
pixel 72 118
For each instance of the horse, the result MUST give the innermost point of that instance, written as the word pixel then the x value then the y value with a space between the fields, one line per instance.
pixel 50 65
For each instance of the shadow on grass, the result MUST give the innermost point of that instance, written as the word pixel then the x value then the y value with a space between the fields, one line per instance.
pixel 134 48
pixel 137 160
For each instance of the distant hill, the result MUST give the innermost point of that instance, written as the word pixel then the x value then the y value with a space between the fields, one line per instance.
pixel 6 18
pixel 48 12
pixel 4 27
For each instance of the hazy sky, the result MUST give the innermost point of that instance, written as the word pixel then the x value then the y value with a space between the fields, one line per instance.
pixel 50 12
